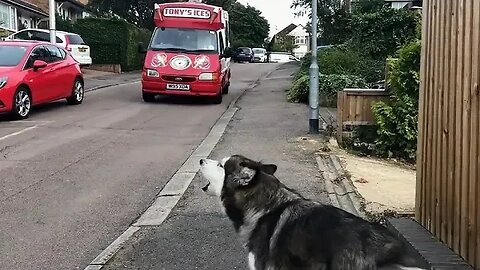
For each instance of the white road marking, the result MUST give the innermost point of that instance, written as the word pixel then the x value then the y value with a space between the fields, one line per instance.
pixel 18 132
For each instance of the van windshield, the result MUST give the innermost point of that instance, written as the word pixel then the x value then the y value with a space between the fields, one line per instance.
pixel 259 51
pixel 183 39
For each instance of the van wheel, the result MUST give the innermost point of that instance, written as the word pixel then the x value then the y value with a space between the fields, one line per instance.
pixel 226 88
pixel 78 93
pixel 148 97
pixel 22 104
pixel 217 99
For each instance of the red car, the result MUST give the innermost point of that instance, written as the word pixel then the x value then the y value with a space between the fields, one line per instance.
pixel 33 73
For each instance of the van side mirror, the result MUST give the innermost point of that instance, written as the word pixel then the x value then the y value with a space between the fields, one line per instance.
pixel 227 53
pixel 142 49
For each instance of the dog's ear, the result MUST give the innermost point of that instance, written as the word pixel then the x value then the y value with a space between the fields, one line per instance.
pixel 244 176
pixel 269 168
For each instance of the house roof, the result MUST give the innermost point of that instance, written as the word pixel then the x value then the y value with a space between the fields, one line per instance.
pixel 286 30
pixel 28 6
pixel 77 3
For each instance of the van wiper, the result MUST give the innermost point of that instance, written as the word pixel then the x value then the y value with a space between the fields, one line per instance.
pixel 201 50
pixel 172 49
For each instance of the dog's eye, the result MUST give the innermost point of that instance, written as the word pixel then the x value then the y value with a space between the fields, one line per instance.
pixel 220 165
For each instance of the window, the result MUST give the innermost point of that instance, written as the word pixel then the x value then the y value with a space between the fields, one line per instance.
pixel 39 53
pixel 222 47
pixel 300 40
pixel 183 39
pixel 8 17
pixel 11 55
pixel 75 40
pixel 23 35
pixel 55 54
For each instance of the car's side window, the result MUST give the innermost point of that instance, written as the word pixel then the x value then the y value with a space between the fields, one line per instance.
pixel 23 35
pixel 222 47
pixel 41 36
pixel 55 54
pixel 39 53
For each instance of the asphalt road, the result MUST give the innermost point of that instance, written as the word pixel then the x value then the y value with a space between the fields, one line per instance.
pixel 73 178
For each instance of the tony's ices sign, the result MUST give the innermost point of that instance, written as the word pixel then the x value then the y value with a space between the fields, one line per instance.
pixel 186 13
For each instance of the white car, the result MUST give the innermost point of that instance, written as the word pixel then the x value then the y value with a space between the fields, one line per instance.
pixel 259 55
pixel 282 57
pixel 71 42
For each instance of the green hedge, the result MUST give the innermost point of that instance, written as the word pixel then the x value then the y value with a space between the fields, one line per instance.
pixel 329 85
pixel 113 41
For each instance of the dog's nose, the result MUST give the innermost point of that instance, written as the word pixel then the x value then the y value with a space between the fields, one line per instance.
pixel 202 161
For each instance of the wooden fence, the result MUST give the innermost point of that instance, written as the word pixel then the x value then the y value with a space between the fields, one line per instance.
pixel 448 191
pixel 354 108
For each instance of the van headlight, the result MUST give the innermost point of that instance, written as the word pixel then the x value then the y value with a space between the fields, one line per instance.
pixel 208 76
pixel 3 81
pixel 152 73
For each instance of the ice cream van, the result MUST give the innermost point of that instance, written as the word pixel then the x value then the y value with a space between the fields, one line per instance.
pixel 189 52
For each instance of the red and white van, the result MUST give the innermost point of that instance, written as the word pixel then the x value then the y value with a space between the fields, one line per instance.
pixel 189 52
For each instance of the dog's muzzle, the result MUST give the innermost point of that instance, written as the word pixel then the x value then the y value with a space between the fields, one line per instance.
pixel 205 188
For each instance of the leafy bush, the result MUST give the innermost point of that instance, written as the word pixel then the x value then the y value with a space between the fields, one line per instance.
pixel 345 60
pixel 380 34
pixel 397 119
pixel 114 41
pixel 329 85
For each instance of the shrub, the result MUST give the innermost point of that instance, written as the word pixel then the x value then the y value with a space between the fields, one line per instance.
pixel 380 34
pixel 329 85
pixel 114 41
pixel 345 60
pixel 397 119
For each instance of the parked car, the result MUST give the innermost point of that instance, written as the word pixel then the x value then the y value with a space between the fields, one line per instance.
pixel 33 73
pixel 259 55
pixel 282 57
pixel 243 54
pixel 71 42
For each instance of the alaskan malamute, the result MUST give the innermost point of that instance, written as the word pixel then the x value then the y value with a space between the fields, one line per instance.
pixel 283 230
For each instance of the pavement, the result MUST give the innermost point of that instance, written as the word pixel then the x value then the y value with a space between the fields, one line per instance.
pixel 196 234
pixel 364 185
pixel 74 178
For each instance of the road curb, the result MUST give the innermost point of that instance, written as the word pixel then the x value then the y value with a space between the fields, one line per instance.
pixel 341 191
pixel 173 191
pixel 109 85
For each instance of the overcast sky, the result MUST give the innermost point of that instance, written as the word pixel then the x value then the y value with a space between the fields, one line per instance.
pixel 278 15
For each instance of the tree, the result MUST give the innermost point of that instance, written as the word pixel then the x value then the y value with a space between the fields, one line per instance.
pixel 248 26
pixel 284 44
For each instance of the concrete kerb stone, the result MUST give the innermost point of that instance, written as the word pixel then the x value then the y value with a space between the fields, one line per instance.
pixel 173 191
pixel 158 211
pixel 113 248
pixel 340 190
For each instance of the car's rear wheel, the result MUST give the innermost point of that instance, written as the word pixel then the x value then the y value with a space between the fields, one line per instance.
pixel 148 97
pixel 226 88
pixel 22 104
pixel 78 93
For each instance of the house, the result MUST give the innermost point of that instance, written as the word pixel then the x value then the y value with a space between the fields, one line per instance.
pixel 398 4
pixel 70 10
pixel 301 41
pixel 299 36
pixel 19 14
pixel 16 15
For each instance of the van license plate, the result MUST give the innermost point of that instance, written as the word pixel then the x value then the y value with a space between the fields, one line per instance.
pixel 176 86
pixel 82 50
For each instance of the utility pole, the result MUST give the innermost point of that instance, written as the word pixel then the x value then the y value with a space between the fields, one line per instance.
pixel 313 93
pixel 52 26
